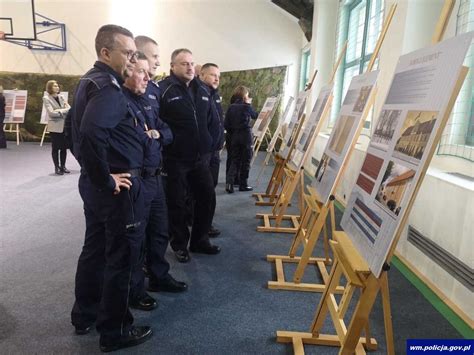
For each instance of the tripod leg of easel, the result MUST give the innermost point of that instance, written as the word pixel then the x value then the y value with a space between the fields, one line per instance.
pixel 44 134
pixel 312 240
pixel 387 312
pixel 361 315
pixel 17 134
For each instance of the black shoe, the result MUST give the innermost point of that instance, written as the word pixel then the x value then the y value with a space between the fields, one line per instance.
pixel 206 249
pixel 144 303
pixel 213 232
pixel 58 171
pixel 135 336
pixel 65 170
pixel 81 330
pixel 245 188
pixel 167 284
pixel 182 256
pixel 229 188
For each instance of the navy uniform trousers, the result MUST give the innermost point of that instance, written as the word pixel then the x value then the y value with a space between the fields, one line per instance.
pixel 196 177
pixel 157 237
pixel 112 248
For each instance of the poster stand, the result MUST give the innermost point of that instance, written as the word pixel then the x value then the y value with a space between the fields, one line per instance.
pixel 13 128
pixel 349 262
pixel 276 180
pixel 45 130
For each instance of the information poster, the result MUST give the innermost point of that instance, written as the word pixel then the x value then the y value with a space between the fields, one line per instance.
pixel 280 124
pixel 264 117
pixel 44 116
pixel 311 126
pixel 405 132
pixel 343 136
pixel 295 118
pixel 15 105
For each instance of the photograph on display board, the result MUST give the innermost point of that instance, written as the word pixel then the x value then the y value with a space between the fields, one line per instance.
pixel 308 139
pixel 323 163
pixel 341 133
pixel 15 105
pixel 385 128
pixel 263 123
pixel 9 100
pixel 397 178
pixel 416 132
pixel 365 219
pixel 369 172
pixel 364 94
pixel 351 97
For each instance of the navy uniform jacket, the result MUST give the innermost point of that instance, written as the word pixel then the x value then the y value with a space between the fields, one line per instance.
pixel 217 130
pixel 104 133
pixel 147 119
pixel 238 121
pixel 187 111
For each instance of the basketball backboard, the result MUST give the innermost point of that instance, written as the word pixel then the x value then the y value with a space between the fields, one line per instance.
pixel 17 19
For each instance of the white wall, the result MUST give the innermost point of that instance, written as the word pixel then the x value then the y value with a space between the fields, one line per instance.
pixel 443 207
pixel 236 34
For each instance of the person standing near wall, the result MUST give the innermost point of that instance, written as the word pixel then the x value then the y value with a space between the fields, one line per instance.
pixel 3 140
pixel 107 145
pixel 238 125
pixel 56 108
pixel 183 106
pixel 210 75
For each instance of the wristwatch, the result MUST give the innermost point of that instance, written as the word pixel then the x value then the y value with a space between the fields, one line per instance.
pixel 155 134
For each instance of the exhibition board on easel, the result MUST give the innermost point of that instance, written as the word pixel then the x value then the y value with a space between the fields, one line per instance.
pixel 264 118
pixel 277 132
pixel 311 128
pixel 15 106
pixel 44 116
pixel 353 112
pixel 295 118
pixel 406 132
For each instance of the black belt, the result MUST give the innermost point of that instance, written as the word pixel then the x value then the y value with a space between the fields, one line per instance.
pixel 151 172
pixel 132 172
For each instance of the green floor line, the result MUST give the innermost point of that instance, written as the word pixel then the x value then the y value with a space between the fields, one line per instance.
pixel 457 322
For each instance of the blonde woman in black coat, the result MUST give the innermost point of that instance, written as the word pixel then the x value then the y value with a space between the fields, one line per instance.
pixel 57 108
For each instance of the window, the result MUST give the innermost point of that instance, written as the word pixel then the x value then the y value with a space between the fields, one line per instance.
pixel 458 136
pixel 360 23
pixel 305 65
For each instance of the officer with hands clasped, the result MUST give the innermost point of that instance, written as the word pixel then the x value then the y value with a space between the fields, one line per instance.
pixel 110 151
pixel 184 106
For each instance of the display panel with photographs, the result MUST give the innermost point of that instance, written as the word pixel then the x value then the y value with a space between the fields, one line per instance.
pixel 345 132
pixel 15 105
pixel 264 117
pixel 415 110
pixel 312 126
pixel 283 118
pixel 296 116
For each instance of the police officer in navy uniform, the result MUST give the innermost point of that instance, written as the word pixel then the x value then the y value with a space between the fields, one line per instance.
pixel 210 77
pixel 143 96
pixel 185 107
pixel 110 152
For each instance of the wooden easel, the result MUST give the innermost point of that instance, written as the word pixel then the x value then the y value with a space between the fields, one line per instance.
pixel 259 140
pixel 309 234
pixel 350 263
pixel 294 177
pixel 13 128
pixel 44 134
pixel 271 193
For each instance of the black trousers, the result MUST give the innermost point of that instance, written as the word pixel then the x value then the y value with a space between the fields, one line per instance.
pixel 240 156
pixel 156 236
pixel 112 248
pixel 196 177
pixel 214 166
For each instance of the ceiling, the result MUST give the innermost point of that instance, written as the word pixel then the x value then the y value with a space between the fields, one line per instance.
pixel 302 10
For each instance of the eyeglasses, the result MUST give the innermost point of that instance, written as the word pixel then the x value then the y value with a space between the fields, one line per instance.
pixel 131 55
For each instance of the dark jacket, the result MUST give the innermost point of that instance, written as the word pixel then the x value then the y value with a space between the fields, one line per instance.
pixel 187 111
pixel 147 120
pixel 104 134
pixel 217 130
